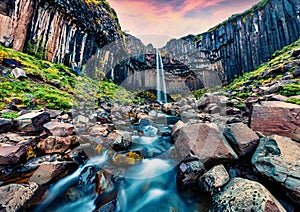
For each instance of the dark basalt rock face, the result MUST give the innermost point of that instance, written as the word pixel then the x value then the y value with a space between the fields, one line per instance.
pixel 71 31
pixel 242 43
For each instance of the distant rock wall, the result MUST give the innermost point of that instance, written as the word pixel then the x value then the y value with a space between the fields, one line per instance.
pixel 242 43
pixel 70 31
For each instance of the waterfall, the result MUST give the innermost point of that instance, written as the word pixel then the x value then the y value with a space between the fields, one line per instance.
pixel 161 95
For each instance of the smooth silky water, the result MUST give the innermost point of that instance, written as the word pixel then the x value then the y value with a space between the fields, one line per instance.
pixel 147 186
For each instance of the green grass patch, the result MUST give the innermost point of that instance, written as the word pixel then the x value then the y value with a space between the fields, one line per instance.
pixel 10 115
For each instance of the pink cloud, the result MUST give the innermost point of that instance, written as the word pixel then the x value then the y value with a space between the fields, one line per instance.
pixel 172 18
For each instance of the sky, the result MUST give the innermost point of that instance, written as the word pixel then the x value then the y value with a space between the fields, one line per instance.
pixel 158 21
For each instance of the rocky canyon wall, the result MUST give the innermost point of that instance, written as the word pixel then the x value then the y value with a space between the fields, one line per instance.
pixel 69 31
pixel 241 43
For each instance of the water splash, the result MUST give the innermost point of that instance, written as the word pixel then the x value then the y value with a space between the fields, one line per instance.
pixel 161 95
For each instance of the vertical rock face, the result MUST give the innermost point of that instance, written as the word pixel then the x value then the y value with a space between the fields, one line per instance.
pixel 241 43
pixel 70 31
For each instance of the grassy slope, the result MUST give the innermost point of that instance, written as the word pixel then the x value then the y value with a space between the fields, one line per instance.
pixel 281 60
pixel 51 85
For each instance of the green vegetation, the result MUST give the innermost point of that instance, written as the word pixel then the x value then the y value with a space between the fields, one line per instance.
pixel 290 90
pixel 10 115
pixel 281 62
pixel 294 101
pixel 51 85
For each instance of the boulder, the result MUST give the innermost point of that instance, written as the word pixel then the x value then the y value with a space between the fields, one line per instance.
pixel 214 179
pixel 273 117
pixel 49 172
pixel 245 195
pixel 15 197
pixel 119 140
pixel 99 130
pixel 12 154
pixel 36 162
pixel 278 159
pixel 19 73
pixel 5 125
pixel 206 141
pixel 188 173
pixel 241 138
pixel 54 144
pixel 32 122
pixel 176 129
pixel 209 98
pixel 60 129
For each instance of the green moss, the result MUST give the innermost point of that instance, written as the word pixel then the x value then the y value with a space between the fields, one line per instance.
pixel 53 86
pixel 10 115
pixel 290 90
pixel 294 101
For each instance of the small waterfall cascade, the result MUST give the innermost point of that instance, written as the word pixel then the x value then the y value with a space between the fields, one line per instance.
pixel 161 95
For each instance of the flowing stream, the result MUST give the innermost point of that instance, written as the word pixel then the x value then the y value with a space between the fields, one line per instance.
pixel 149 185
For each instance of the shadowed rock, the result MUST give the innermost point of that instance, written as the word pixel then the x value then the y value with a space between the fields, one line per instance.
pixel 278 159
pixel 245 195
pixel 241 138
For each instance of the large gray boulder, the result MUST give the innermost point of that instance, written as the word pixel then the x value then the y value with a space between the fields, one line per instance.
pixel 278 159
pixel 245 195
pixel 241 138
pixel 14 197
pixel 273 117
pixel 61 129
pixel 205 141
pixel 214 179
pixel 32 122
pixel 12 154
pixel 50 172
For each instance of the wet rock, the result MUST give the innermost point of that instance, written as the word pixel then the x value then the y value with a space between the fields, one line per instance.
pixel 60 129
pixel 108 207
pixel 87 175
pixel 276 118
pixel 119 140
pixel 233 120
pixel 245 195
pixel 12 154
pixel 99 130
pixel 13 138
pixel 209 98
pixel 19 73
pixel 50 172
pixel 15 197
pixel 5 125
pixel 241 137
pixel 278 159
pixel 205 141
pixel 214 179
pixel 32 122
pixel 80 153
pixel 103 182
pixel 176 128
pixel 55 113
pixel 54 144
pixel 188 173
pixel 212 108
pixel 36 162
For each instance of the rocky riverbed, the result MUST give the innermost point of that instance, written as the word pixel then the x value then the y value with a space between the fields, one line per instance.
pixel 242 158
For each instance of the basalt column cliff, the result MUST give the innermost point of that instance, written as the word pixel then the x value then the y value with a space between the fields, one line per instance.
pixel 241 43
pixel 68 31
